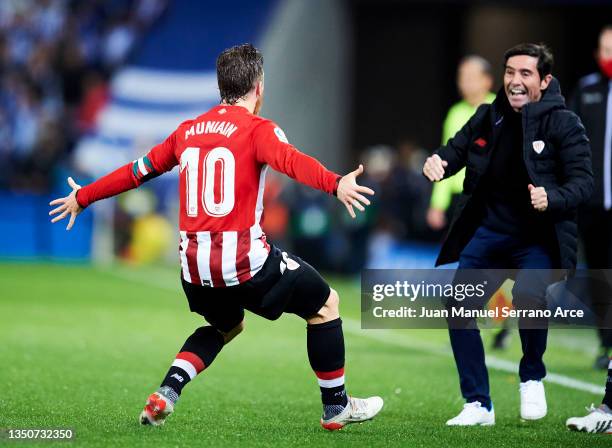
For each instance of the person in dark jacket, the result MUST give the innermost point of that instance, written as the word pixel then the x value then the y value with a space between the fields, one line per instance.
pixel 528 168
pixel 592 102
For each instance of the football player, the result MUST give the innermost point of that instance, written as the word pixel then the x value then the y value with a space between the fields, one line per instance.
pixel 227 263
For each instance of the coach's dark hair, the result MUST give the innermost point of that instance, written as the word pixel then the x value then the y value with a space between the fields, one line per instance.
pixel 540 51
pixel 238 69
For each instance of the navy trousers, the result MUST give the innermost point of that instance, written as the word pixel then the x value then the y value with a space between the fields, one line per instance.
pixel 492 250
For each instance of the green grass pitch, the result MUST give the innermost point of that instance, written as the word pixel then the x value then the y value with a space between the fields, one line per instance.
pixel 81 347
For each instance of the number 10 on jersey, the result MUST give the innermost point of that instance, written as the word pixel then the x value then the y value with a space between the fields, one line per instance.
pixel 219 169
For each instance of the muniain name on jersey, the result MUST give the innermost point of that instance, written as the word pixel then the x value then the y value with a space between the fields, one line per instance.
pixel 211 127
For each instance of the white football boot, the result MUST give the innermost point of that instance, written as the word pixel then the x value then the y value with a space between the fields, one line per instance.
pixel 533 400
pixel 597 420
pixel 157 408
pixel 357 410
pixel 473 414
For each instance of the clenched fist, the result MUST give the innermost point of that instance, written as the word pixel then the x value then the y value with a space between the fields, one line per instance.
pixel 539 198
pixel 434 168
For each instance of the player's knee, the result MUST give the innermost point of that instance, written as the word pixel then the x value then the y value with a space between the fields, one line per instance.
pixel 329 311
pixel 333 301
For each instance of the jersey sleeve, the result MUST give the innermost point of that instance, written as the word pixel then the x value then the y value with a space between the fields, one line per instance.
pixel 272 147
pixel 158 160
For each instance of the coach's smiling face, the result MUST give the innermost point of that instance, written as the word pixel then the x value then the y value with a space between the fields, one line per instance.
pixel 522 81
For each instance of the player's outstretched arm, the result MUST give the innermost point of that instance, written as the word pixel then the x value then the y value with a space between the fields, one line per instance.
pixel 349 192
pixel 272 147
pixel 67 205
pixel 160 159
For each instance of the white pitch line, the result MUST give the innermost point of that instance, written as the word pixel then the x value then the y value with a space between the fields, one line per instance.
pixel 353 326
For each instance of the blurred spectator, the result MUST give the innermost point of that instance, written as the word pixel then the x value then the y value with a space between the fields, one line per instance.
pixel 401 189
pixel 413 187
pixel 147 11
pixel 55 57
pixel 118 40
pixel 378 162
pixel 276 211
pixel 95 95
pixel 474 81
pixel 592 101
pixel 310 223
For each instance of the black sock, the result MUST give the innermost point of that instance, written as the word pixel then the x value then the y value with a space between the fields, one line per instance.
pixel 608 396
pixel 325 343
pixel 198 352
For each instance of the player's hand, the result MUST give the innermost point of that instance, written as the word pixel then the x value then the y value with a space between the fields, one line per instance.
pixel 539 198
pixel 434 168
pixel 67 205
pixel 436 218
pixel 349 192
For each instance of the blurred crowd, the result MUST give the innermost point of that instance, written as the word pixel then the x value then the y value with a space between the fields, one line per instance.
pixel 55 59
pixel 308 223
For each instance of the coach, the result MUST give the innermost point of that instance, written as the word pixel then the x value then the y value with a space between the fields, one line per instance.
pixel 528 168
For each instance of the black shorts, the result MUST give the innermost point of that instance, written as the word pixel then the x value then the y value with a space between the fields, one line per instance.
pixel 285 284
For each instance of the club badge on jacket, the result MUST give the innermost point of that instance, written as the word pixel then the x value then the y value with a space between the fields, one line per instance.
pixel 538 146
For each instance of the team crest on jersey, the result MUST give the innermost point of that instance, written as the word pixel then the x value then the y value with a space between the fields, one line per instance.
pixel 281 135
pixel 538 146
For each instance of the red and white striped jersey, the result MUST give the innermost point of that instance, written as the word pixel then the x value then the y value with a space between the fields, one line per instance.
pixel 223 156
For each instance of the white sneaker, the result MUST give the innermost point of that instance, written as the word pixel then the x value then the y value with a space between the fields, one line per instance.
pixel 357 410
pixel 533 400
pixel 473 414
pixel 157 408
pixel 597 420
